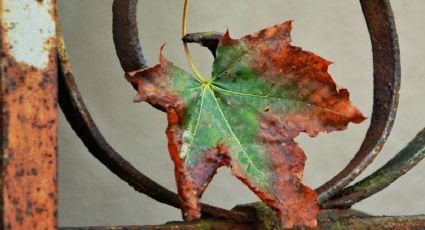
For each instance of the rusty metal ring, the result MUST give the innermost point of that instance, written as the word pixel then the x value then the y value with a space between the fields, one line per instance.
pixel 386 62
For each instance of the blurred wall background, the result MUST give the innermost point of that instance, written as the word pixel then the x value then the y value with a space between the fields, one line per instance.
pixel 334 29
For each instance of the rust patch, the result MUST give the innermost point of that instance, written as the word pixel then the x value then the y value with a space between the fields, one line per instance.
pixel 29 125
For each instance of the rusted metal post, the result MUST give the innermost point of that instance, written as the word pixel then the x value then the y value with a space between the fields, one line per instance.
pixel 28 121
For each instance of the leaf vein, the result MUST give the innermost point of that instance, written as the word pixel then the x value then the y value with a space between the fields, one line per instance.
pixel 234 135
pixel 280 98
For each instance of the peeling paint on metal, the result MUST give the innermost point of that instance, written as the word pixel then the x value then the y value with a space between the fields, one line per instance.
pixel 28 42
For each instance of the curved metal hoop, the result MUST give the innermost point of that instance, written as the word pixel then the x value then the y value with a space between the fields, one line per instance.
pixel 386 62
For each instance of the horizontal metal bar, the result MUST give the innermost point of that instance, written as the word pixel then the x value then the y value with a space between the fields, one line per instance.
pixel 328 219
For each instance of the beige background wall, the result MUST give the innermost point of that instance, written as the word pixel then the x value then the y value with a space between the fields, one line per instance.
pixel 334 29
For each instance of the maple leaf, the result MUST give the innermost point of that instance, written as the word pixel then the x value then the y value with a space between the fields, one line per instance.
pixel 263 92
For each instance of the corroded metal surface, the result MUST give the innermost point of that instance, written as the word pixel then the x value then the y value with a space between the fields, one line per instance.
pixel 386 81
pixel 28 119
pixel 405 160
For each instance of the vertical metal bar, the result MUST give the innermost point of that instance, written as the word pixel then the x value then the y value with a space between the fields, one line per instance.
pixel 28 121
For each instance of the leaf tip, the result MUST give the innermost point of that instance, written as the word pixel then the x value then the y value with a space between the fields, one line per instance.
pixel 138 98
pixel 162 59
pixel 359 118
pixel 288 24
pixel 353 113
